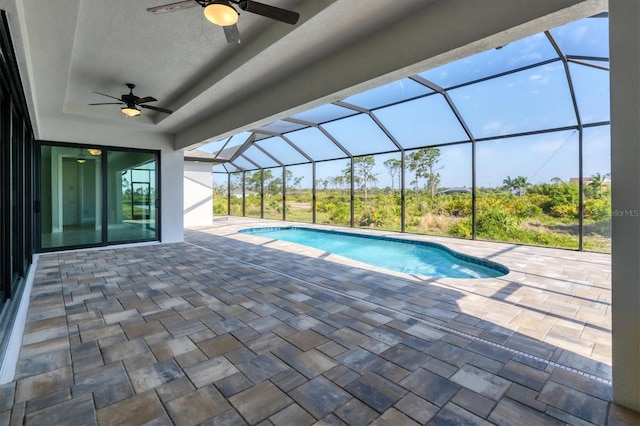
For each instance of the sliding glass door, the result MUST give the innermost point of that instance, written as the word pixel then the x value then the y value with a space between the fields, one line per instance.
pixel 93 196
pixel 131 196
pixel 16 187
pixel 71 196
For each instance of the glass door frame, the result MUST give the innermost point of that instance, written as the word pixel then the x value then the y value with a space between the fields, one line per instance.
pixel 103 173
pixel 155 183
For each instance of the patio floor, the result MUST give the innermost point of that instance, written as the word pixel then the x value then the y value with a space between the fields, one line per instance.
pixel 235 329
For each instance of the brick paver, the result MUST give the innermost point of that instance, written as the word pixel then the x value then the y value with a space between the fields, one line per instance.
pixel 236 329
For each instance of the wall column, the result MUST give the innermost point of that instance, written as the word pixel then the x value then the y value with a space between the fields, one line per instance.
pixel 624 31
pixel 198 193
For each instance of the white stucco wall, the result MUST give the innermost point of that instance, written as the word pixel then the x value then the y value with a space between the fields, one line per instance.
pixel 624 42
pixel 172 170
pixel 198 194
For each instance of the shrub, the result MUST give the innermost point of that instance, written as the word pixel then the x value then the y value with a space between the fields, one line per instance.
pixel 597 209
pixel 456 205
pixel 460 229
pixel 370 217
pixel 495 223
pixel 339 213
pixel 413 221
pixel 565 210
pixel 553 195
pixel 523 207
pixel 275 206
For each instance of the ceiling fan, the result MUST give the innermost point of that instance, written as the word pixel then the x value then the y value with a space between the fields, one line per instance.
pixel 222 13
pixel 132 102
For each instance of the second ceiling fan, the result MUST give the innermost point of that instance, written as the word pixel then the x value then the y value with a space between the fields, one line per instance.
pixel 222 13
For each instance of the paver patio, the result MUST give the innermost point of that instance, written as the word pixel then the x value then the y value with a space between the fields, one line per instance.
pixel 235 329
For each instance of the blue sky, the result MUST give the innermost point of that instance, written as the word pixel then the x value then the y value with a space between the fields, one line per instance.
pixel 534 99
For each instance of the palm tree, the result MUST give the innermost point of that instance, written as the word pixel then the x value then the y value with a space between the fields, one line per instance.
pixel 508 184
pixel 521 185
pixel 594 187
pixel 517 185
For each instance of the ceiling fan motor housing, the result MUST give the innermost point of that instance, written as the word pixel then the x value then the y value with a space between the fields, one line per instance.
pixel 129 99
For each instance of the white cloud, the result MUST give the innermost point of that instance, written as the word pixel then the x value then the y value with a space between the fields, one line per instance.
pixel 539 78
pixel 497 127
pixel 546 146
pixel 578 34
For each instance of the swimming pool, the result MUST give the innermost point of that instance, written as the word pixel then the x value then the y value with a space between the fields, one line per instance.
pixel 412 257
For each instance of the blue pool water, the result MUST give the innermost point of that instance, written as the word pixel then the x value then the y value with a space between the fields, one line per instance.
pixel 412 257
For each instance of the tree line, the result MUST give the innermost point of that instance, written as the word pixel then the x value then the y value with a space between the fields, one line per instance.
pixel 424 164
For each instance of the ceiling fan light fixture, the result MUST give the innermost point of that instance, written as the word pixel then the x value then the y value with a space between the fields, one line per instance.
pixel 221 13
pixel 131 111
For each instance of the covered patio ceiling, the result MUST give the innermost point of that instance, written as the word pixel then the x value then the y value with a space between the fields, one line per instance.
pixel 69 49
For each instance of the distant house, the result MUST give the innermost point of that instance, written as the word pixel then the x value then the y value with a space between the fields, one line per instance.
pixel 585 180
pixel 237 193
pixel 459 190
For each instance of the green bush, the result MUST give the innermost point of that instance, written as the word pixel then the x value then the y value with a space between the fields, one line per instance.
pixel 323 206
pixel 370 217
pixel 495 223
pixel 523 207
pixel 565 211
pixel 456 205
pixel 597 209
pixel 275 206
pixel 413 221
pixel 460 229
pixel 552 195
pixel 340 212
pixel 382 211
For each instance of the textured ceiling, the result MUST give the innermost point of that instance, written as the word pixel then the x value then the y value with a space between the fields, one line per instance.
pixel 179 58
pixel 77 47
